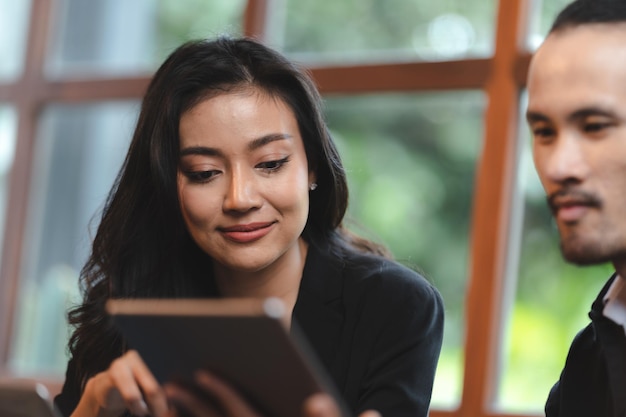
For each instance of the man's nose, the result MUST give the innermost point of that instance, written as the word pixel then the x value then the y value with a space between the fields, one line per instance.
pixel 567 160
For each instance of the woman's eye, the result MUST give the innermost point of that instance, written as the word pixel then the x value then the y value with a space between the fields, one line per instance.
pixel 272 166
pixel 201 176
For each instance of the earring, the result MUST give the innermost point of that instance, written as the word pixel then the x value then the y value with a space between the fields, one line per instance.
pixel 313 186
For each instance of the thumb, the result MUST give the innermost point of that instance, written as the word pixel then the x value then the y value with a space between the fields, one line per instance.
pixel 370 413
pixel 321 405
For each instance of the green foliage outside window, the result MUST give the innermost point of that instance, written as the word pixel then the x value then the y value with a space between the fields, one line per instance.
pixel 410 160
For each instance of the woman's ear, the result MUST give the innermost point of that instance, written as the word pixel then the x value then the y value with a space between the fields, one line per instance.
pixel 312 180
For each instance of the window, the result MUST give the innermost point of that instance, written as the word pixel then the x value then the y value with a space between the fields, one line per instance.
pixel 13 26
pixel 410 160
pixel 394 30
pixel 8 124
pixel 108 38
pixel 79 149
pixel 423 99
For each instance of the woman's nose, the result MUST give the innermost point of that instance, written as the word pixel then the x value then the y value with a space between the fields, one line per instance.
pixel 242 193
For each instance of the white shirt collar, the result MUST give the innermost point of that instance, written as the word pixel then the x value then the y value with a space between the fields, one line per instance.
pixel 615 302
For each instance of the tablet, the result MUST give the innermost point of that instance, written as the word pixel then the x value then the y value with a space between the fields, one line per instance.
pixel 25 398
pixel 246 342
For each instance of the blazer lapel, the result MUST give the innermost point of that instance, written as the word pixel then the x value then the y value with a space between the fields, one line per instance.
pixel 318 311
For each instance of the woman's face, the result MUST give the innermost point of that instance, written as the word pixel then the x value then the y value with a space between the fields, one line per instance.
pixel 243 179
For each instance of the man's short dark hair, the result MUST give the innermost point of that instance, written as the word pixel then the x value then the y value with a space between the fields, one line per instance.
pixel 581 12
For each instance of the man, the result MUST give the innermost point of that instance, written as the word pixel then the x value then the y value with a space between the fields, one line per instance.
pixel 577 115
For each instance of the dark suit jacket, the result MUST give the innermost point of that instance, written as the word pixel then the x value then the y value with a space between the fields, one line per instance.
pixel 593 381
pixel 375 325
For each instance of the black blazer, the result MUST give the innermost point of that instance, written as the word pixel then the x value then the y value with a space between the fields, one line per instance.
pixel 593 381
pixel 377 327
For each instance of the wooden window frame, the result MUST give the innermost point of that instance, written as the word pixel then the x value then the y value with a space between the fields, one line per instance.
pixel 500 76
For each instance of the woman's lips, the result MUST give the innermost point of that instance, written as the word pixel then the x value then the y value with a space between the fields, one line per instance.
pixel 244 233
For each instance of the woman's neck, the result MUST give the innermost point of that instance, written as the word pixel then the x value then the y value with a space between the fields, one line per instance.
pixel 280 279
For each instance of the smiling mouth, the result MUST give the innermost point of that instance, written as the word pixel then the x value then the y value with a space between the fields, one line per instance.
pixel 244 233
pixel 570 213
pixel 569 204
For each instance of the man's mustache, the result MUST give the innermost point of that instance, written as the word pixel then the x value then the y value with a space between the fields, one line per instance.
pixel 572 196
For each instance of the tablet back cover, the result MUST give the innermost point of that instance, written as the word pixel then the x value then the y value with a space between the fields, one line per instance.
pixel 20 398
pixel 241 341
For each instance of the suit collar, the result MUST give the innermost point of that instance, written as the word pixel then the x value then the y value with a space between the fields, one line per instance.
pixel 318 312
pixel 613 342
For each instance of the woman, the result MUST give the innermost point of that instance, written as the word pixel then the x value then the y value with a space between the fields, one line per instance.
pixel 232 187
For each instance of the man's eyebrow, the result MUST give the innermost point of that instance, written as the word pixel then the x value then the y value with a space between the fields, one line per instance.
pixel 533 117
pixel 590 111
pixel 264 140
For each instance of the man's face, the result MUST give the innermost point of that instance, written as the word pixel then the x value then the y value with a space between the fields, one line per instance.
pixel 577 114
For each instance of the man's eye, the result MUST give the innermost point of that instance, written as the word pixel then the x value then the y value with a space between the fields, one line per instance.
pixel 542 132
pixel 272 166
pixel 595 127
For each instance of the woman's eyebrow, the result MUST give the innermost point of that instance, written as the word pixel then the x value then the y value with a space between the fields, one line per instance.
pixel 253 145
pixel 264 140
pixel 200 150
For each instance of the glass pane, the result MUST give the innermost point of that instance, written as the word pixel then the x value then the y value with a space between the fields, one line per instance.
pixel 8 124
pixel 410 160
pixel 356 30
pixel 78 153
pixel 110 37
pixel 13 30
pixel 542 14
pixel 550 302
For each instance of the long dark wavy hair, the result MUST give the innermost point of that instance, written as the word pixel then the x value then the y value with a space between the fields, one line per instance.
pixel 142 248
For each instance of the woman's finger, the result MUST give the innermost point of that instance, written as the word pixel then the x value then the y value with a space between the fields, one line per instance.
pixel 182 398
pixel 137 386
pixel 153 394
pixel 370 413
pixel 230 400
pixel 124 382
pixel 320 405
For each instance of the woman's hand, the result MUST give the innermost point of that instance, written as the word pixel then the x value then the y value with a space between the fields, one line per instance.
pixel 128 384
pixel 226 402
pixel 323 405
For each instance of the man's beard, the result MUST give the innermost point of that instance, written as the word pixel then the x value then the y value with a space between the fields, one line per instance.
pixel 583 252
pixel 579 248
